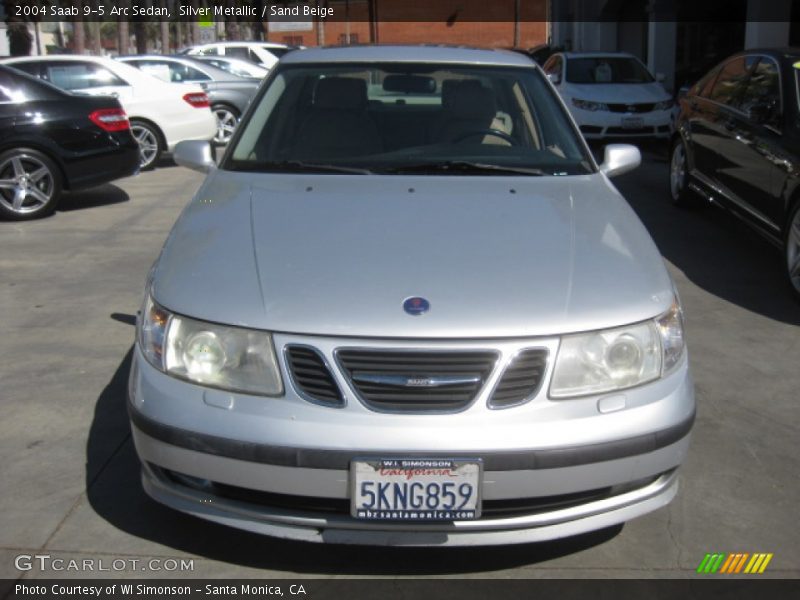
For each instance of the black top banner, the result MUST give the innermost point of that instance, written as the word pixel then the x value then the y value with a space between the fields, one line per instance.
pixel 448 11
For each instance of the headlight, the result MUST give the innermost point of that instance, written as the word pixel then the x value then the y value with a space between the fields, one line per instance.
pixel 589 105
pixel 664 105
pixel 613 359
pixel 229 358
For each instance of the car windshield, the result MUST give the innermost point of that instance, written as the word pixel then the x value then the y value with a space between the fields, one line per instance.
pixel 607 69
pixel 408 118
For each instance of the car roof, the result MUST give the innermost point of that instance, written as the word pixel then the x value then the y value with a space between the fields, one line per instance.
pixel 62 57
pixel 216 72
pixel 245 44
pixel 398 54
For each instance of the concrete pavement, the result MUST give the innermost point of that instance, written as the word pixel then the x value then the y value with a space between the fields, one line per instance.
pixel 70 287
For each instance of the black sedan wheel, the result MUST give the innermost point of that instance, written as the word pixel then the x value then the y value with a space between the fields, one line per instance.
pixel 679 176
pixel 227 118
pixel 30 184
pixel 792 245
pixel 149 143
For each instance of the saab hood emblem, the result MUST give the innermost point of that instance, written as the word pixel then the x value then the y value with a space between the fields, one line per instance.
pixel 416 306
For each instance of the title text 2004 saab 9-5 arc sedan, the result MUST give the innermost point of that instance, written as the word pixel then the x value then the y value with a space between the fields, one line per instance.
pixel 408 308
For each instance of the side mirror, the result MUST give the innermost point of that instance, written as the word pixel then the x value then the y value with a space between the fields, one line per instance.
pixel 555 78
pixel 619 159
pixel 196 155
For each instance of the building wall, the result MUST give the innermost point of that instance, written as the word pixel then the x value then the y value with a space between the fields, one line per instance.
pixel 426 22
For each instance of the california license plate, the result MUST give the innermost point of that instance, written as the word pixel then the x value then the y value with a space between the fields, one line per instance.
pixel 413 489
pixel 632 122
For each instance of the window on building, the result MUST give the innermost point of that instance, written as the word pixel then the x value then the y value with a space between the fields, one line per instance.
pixel 345 39
pixel 292 40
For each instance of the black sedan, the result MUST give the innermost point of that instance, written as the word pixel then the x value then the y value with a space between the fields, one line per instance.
pixel 737 144
pixel 228 93
pixel 51 141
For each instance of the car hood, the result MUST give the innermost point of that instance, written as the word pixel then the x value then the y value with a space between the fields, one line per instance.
pixel 338 255
pixel 618 93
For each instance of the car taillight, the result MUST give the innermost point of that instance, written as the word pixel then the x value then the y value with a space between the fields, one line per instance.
pixel 197 99
pixel 110 119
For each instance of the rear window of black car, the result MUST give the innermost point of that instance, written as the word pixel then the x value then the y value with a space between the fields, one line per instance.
pixel 19 87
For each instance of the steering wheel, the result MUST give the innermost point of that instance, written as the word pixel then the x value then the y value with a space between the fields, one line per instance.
pixel 488 131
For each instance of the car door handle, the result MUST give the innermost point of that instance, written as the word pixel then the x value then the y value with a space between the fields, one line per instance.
pixel 730 125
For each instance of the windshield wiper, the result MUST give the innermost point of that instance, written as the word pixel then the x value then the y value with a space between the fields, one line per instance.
pixel 298 166
pixel 464 166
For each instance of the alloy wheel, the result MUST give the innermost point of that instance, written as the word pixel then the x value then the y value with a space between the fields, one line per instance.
pixel 26 184
pixel 793 251
pixel 226 122
pixel 677 171
pixel 148 144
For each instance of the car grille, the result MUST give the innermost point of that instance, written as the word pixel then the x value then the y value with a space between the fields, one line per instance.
pixel 521 379
pixel 631 108
pixel 399 380
pixel 312 376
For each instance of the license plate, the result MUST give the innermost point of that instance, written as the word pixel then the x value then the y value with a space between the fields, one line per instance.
pixel 632 122
pixel 412 489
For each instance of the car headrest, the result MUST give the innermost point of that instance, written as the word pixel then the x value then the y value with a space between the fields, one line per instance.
pixel 342 93
pixel 473 101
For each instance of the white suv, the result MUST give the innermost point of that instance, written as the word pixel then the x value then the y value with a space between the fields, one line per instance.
pixel 260 53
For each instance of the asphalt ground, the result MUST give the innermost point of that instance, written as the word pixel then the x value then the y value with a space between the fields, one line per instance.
pixel 70 286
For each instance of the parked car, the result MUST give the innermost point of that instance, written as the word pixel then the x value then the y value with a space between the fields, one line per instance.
pixel 228 94
pixel 234 66
pixel 265 54
pixel 737 145
pixel 424 322
pixel 161 114
pixel 52 141
pixel 611 95
pixel 539 53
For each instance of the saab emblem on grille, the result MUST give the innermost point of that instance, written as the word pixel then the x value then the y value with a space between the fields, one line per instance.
pixel 416 380
pixel 416 306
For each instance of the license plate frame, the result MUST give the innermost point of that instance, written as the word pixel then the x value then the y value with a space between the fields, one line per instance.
pixel 406 471
pixel 632 122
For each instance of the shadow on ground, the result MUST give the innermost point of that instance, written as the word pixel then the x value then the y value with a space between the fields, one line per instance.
pixel 92 197
pixel 116 495
pixel 714 250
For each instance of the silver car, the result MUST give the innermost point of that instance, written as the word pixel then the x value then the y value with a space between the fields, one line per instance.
pixel 408 308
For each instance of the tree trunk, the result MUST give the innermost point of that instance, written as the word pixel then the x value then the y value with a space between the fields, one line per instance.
pixel 165 46
pixel 78 33
pixel 20 40
pixel 123 37
pixel 95 41
pixel 140 31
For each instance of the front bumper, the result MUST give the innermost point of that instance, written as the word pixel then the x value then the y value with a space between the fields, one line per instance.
pixel 280 466
pixel 197 124
pixel 602 124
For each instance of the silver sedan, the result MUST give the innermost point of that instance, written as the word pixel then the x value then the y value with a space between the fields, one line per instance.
pixel 409 308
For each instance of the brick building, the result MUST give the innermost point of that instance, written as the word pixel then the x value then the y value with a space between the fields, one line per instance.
pixel 503 23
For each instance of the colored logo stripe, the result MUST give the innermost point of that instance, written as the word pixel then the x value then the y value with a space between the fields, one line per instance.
pixel 720 562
